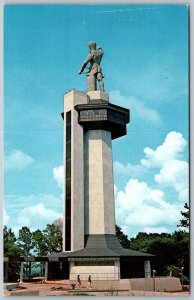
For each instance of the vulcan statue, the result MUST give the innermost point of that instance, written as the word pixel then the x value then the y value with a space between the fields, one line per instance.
pixel 94 72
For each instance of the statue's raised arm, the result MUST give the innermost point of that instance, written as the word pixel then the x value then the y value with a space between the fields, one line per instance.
pixel 94 72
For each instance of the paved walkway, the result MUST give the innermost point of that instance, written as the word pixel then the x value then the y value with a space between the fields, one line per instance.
pixel 64 288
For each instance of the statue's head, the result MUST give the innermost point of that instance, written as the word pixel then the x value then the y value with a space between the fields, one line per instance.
pixel 92 45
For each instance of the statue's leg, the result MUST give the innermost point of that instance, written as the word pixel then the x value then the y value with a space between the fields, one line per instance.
pixel 101 83
pixel 91 83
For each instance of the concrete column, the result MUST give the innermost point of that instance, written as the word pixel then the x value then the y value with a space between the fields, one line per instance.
pixel 30 268
pixel 71 99
pixel 117 269
pixel 72 275
pixel 21 271
pixel 46 271
pixel 6 271
pixel 99 210
pixel 147 269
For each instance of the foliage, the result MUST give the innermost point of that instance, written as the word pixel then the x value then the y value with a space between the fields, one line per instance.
pixel 11 250
pixel 49 240
pixel 53 238
pixel 25 241
pixel 186 214
pixel 177 272
pixel 170 249
pixel 26 245
pixel 123 238
pixel 40 246
pixel 59 223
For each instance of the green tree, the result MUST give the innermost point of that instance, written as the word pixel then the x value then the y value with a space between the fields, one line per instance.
pixel 123 238
pixel 53 238
pixel 26 244
pixel 11 250
pixel 40 246
pixel 59 222
pixel 186 214
pixel 25 241
pixel 170 250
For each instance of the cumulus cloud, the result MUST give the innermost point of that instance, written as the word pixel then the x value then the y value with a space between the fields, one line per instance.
pixel 17 160
pixel 142 111
pixel 172 148
pixel 14 203
pixel 174 174
pixel 58 174
pixel 129 169
pixel 36 215
pixel 140 206
pixel 5 217
pixel 173 171
pixel 34 211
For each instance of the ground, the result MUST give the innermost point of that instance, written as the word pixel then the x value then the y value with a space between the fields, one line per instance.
pixel 64 288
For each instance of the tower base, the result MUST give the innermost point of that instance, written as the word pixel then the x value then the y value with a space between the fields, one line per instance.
pixel 104 258
pixel 98 270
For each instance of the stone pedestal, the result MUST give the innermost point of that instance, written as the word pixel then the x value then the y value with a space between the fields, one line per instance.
pixel 98 95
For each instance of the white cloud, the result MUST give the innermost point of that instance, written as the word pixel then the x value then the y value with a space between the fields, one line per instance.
pixel 15 203
pixel 17 160
pixel 174 174
pixel 16 229
pixel 58 174
pixel 139 206
pixel 156 230
pixel 36 215
pixel 5 217
pixel 172 148
pixel 129 169
pixel 143 112
pixel 33 211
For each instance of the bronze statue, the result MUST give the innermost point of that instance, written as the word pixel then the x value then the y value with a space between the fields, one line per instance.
pixel 94 71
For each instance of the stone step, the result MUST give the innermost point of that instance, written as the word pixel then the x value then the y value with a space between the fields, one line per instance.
pixel 11 286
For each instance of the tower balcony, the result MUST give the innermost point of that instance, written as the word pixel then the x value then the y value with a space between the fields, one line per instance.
pixel 103 115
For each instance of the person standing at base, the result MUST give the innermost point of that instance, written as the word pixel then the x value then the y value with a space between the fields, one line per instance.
pixel 78 281
pixel 89 281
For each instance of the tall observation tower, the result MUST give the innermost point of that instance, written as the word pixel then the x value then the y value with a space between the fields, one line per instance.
pixel 91 122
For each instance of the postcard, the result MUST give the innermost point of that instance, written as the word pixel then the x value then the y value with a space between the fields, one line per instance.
pixel 96 150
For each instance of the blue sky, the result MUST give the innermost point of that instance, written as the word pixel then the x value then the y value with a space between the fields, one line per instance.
pixel 146 70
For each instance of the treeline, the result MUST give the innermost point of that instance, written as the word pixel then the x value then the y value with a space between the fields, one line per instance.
pixel 28 243
pixel 31 243
pixel 172 250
